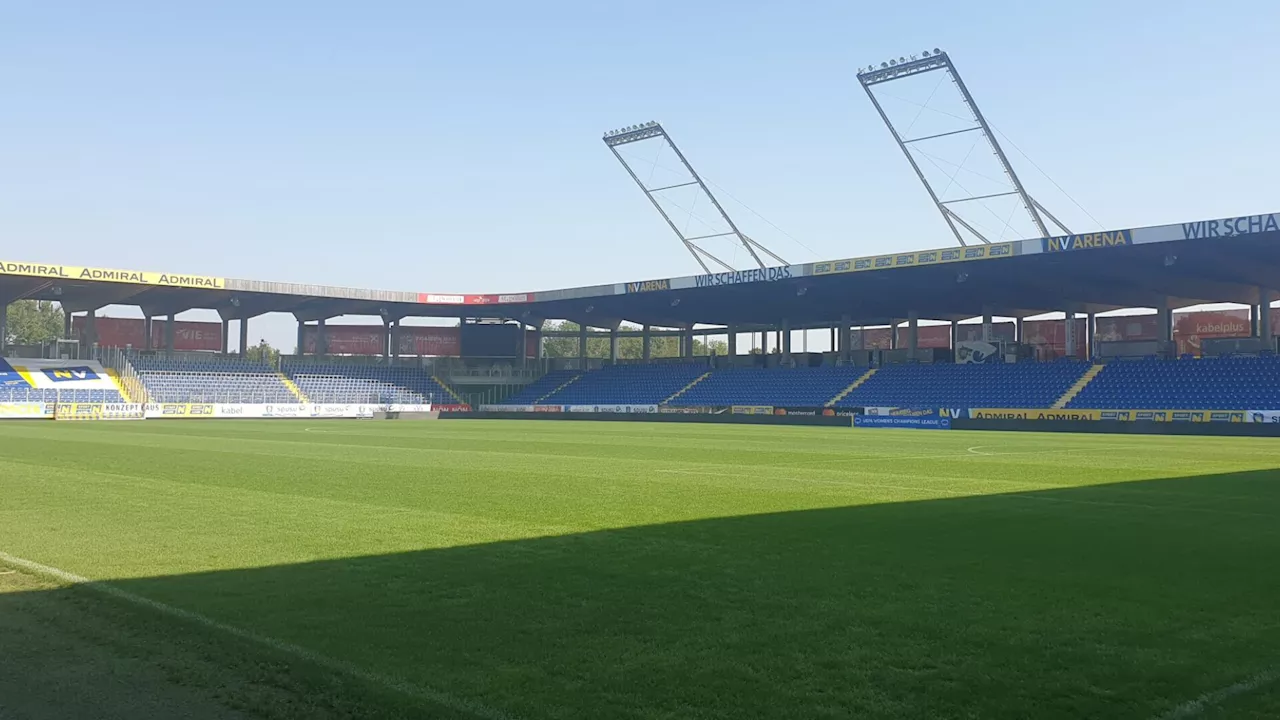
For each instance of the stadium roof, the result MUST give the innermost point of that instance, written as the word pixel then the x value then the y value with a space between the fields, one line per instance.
pixel 1222 260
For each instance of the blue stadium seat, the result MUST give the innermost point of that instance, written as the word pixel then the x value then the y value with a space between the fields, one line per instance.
pixel 545 385
pixel 354 383
pixel 1227 383
pixel 783 387
pixel 628 384
pixel 224 380
pixel 996 385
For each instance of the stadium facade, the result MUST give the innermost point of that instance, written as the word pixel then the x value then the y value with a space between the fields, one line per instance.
pixel 986 372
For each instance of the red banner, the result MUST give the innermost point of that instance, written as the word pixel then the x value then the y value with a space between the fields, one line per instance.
pixel 415 340
pixel 1190 328
pixel 131 332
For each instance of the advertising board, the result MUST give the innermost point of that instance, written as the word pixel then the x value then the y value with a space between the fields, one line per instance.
pixel 890 421
pixel 132 277
pixel 913 259
pixel 624 409
pixel 22 411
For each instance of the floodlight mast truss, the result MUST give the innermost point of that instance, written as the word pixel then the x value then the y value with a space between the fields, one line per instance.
pixel 930 62
pixel 646 131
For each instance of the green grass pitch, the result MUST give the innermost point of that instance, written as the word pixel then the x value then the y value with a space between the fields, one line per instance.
pixel 536 570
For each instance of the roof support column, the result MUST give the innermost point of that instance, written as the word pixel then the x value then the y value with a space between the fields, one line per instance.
pixel 244 336
pixel 733 342
pixel 4 326
pixel 785 332
pixel 582 346
pixel 386 337
pixel 986 323
pixel 1164 324
pixel 395 339
pixel 66 327
pixel 613 346
pixel 955 333
pixel 301 349
pixel 1264 318
pixel 89 335
pixel 893 334
pixel 322 339
pixel 1090 332
pixel 1019 330
pixel 226 336
pixel 913 333
pixel 846 339
pixel 170 330
pixel 646 343
pixel 687 343
pixel 1069 333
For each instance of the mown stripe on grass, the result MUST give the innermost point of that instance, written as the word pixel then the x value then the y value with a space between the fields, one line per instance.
pixel 397 685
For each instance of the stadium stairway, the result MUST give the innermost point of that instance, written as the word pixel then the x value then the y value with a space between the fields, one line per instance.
pixel 115 380
pixel 559 387
pixel 1079 385
pixel 686 388
pixel 854 386
pixel 293 387
pixel 457 399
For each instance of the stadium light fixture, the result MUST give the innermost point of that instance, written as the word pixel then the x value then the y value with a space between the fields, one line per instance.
pixel 961 277
pixel 900 69
pixel 675 302
pixel 1169 260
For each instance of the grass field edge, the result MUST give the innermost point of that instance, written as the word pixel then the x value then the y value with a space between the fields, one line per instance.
pixel 455 705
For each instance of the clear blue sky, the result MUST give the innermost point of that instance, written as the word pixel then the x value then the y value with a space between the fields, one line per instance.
pixel 433 147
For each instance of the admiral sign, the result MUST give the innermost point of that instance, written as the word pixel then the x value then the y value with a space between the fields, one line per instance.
pixel 136 277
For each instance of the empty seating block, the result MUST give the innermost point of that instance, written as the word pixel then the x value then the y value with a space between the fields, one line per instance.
pixel 381 384
pixel 38 395
pixel 628 385
pixel 799 387
pixel 220 380
pixel 1231 383
pixel 544 385
pixel 1000 385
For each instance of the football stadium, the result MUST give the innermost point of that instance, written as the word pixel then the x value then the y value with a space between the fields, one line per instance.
pixel 956 510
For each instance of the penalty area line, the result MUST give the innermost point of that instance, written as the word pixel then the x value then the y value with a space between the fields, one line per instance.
pixel 343 667
pixel 1197 707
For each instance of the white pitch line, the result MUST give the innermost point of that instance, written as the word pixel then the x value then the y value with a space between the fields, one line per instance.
pixel 1196 708
pixel 340 666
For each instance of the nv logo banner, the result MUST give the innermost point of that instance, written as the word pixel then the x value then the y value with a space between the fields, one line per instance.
pixel 70 374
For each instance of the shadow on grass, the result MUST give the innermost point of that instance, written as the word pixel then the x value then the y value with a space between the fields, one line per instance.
pixel 1114 601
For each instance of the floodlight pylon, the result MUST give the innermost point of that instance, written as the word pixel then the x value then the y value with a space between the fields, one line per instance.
pixel 933 61
pixel 653 130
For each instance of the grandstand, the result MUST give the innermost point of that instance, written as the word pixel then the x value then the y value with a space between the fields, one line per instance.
pixel 227 380
pixel 1134 365
pixel 357 383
